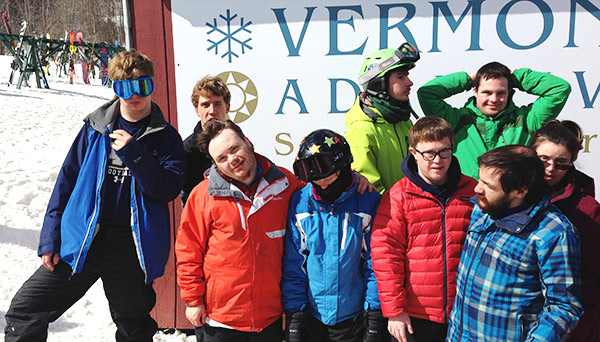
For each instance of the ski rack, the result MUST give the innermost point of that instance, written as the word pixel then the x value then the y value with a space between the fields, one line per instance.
pixel 37 50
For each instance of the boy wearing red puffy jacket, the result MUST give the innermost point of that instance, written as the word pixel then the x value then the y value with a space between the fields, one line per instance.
pixel 418 234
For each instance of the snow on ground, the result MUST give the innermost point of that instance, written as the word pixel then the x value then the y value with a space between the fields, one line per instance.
pixel 38 127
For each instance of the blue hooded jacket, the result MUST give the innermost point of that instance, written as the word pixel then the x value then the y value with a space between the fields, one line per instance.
pixel 156 161
pixel 327 255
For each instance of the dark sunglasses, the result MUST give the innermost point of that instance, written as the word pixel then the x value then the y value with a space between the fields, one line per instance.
pixel 547 162
pixel 143 86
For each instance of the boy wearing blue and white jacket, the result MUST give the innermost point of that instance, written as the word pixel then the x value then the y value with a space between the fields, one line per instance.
pixel 108 216
pixel 328 283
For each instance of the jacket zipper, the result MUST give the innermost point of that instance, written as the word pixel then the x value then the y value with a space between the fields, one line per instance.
pixel 444 249
pixel 399 141
pixel 94 214
pixel 136 235
pixel 445 262
pixel 253 267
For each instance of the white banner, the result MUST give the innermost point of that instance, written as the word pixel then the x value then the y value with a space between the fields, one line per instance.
pixel 292 66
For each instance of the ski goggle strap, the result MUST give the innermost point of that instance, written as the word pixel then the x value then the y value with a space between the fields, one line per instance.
pixel 143 86
pixel 404 54
pixel 314 168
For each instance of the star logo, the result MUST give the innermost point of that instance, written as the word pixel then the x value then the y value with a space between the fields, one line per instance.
pixel 244 95
pixel 314 149
pixel 329 141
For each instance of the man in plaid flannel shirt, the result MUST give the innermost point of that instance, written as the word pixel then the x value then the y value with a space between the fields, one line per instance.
pixel 519 277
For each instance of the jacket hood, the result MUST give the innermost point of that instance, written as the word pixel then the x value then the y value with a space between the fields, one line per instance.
pixel 219 186
pixel 518 222
pixel 573 182
pixel 584 182
pixel 409 168
pixel 357 113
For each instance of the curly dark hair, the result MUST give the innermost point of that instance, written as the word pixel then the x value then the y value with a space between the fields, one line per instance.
pixel 520 168
pixel 214 128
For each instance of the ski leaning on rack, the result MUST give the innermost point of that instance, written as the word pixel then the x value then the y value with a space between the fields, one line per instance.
pixel 104 64
pixel 5 20
pixel 72 50
pixel 17 63
pixel 92 63
pixel 62 57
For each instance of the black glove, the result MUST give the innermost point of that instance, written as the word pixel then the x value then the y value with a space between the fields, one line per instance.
pixel 295 325
pixel 376 327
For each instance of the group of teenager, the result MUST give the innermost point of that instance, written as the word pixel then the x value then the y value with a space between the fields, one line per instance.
pixel 473 224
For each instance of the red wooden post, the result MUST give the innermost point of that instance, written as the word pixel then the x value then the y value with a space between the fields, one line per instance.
pixel 152 35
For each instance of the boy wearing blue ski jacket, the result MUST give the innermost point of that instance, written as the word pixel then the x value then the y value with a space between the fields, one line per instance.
pixel 328 283
pixel 108 216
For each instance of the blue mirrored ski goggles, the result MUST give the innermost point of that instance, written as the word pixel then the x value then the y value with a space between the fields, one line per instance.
pixel 143 86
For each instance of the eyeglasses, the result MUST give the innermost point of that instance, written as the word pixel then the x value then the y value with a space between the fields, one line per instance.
pixel 430 155
pixel 404 54
pixel 558 166
pixel 143 86
pixel 314 168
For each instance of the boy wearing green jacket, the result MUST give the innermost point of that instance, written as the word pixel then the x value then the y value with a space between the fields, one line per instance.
pixel 490 118
pixel 379 121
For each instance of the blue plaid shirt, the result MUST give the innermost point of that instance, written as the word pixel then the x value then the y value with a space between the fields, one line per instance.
pixel 519 278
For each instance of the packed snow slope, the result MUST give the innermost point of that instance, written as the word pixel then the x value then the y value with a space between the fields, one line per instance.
pixel 39 126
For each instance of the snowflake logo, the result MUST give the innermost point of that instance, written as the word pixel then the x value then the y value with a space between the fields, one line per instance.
pixel 229 35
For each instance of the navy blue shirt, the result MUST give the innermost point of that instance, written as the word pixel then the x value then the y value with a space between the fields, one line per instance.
pixel 117 184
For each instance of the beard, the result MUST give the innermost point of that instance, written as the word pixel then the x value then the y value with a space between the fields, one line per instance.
pixel 496 208
pixel 245 174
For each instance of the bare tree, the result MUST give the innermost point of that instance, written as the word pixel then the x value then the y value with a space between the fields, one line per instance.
pixel 98 20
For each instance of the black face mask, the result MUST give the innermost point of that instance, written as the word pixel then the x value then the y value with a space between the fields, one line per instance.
pixel 335 189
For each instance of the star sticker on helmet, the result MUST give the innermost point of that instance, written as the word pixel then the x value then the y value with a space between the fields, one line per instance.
pixel 314 148
pixel 329 141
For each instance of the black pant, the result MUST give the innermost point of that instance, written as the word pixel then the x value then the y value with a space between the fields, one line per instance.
pixel 350 330
pixel 48 294
pixel 272 333
pixel 427 331
pixel 199 332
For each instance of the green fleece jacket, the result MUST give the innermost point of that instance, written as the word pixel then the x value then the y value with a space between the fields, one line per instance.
pixel 476 133
pixel 378 147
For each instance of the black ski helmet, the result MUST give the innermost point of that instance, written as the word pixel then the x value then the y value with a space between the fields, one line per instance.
pixel 321 154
